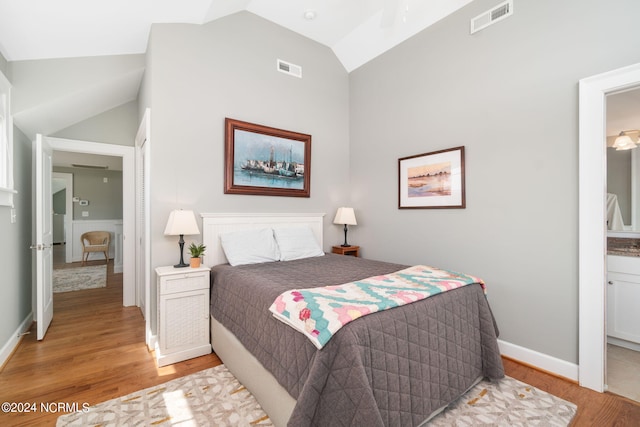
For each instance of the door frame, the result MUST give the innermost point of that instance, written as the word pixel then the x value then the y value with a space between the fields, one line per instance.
pixel 143 229
pixel 592 229
pixel 128 203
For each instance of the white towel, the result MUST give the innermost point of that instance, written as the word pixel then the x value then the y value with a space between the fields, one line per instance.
pixel 614 216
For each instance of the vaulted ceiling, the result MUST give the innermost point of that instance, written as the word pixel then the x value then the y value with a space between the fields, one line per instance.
pixel 356 30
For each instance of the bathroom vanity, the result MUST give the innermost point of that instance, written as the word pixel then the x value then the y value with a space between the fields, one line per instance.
pixel 623 293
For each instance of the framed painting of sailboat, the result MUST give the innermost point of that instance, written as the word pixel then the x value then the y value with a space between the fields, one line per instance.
pixel 266 161
pixel 432 180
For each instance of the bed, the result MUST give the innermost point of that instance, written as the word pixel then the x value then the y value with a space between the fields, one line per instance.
pixel 395 367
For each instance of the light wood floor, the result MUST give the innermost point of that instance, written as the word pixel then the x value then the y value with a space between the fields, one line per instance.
pixel 94 351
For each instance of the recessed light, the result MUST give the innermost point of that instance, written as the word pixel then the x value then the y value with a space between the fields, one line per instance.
pixel 309 15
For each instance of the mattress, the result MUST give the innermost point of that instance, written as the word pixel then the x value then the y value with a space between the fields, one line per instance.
pixel 394 367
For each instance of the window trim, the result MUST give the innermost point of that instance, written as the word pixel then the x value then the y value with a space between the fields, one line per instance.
pixel 6 146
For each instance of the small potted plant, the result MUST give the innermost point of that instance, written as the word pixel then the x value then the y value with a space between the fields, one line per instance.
pixel 196 252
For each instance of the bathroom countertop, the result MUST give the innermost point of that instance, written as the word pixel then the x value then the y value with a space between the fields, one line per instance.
pixel 623 247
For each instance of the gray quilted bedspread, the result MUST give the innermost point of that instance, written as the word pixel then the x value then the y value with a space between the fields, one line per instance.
pixel 391 368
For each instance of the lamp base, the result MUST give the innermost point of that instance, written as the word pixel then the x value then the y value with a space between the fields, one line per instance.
pixel 181 264
pixel 345 244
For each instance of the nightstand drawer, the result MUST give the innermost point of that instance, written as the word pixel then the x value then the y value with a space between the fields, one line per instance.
pixel 184 282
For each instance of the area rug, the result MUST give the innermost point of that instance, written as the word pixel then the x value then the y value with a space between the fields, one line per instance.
pixel 507 402
pixel 79 278
pixel 214 397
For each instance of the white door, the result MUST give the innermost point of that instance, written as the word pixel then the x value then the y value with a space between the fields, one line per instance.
pixel 44 235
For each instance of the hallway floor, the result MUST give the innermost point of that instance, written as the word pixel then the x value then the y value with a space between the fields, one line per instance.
pixel 58 255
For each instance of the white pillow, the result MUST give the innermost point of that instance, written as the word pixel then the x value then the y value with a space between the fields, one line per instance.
pixel 296 243
pixel 250 246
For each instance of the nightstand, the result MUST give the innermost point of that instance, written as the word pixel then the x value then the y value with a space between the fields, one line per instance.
pixel 346 250
pixel 183 314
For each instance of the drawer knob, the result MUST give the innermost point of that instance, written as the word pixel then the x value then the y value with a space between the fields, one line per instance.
pixel 610 282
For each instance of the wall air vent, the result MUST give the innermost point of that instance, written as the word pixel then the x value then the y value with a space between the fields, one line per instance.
pixel 498 13
pixel 289 68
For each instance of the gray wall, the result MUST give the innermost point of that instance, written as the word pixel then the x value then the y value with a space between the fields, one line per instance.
pixel 59 209
pixel 227 68
pixel 201 74
pixel 105 199
pixel 117 126
pixel 15 255
pixel 60 202
pixel 509 94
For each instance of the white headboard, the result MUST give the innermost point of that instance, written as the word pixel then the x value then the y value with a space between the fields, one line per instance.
pixel 213 224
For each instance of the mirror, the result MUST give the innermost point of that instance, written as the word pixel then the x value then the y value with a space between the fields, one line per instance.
pixel 623 165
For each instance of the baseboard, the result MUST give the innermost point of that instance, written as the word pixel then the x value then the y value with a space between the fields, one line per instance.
pixel 179 356
pixel 152 341
pixel 542 361
pixel 11 345
pixel 623 343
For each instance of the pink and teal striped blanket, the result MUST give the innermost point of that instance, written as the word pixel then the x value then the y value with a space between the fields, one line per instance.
pixel 320 312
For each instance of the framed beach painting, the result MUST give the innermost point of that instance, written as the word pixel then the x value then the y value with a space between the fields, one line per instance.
pixel 262 160
pixel 432 180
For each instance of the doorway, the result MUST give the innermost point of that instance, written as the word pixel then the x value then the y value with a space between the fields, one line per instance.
pixel 127 155
pixel 623 236
pixel 87 197
pixel 592 230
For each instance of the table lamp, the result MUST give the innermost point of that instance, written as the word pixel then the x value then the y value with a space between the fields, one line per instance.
pixel 181 222
pixel 347 217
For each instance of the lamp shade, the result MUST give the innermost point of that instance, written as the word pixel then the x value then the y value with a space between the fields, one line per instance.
pixel 181 222
pixel 345 216
pixel 624 142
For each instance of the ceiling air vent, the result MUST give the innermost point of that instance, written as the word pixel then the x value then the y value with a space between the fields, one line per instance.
pixel 289 68
pixel 498 13
pixel 89 166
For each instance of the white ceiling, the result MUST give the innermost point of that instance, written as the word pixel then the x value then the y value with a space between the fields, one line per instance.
pixel 356 30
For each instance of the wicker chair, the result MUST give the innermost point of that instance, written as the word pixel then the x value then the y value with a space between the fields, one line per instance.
pixel 95 241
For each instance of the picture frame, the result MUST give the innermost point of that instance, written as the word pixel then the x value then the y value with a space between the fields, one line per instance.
pixel 432 180
pixel 266 161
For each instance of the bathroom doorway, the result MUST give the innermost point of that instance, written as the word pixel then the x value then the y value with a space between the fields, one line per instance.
pixel 623 243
